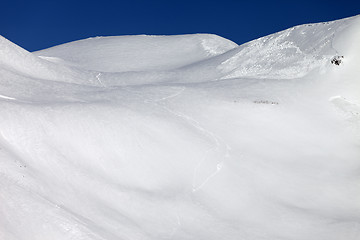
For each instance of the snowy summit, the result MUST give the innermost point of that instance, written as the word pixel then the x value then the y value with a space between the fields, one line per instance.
pixel 183 137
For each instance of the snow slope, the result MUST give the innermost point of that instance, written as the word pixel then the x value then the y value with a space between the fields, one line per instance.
pixel 183 137
pixel 139 53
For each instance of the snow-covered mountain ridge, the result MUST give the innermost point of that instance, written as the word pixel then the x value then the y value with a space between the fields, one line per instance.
pixel 183 137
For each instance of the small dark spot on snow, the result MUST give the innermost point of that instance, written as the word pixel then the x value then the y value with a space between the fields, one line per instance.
pixel 266 102
pixel 337 60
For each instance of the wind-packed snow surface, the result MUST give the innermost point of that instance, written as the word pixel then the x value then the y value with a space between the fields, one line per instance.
pixel 183 137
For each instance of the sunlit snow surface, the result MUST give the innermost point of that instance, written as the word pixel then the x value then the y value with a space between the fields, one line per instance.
pixel 183 137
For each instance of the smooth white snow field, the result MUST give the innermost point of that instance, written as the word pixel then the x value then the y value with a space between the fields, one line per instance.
pixel 183 137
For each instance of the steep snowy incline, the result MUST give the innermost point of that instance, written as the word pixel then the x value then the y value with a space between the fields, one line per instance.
pixel 292 53
pixel 287 54
pixel 183 137
pixel 17 62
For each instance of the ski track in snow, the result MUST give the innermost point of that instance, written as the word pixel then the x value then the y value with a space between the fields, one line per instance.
pixel 219 146
pixel 99 80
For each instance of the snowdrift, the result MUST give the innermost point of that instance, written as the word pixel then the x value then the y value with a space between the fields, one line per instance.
pixel 183 137
pixel 139 53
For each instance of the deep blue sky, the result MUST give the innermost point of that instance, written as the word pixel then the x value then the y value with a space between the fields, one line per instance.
pixel 36 25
